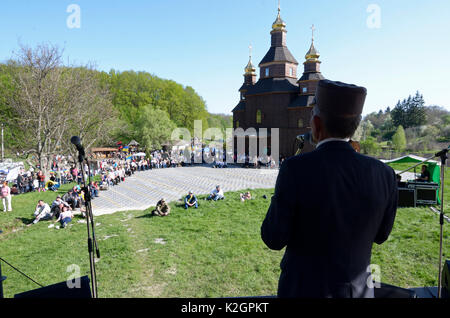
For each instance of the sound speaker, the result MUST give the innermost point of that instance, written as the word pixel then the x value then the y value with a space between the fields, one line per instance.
pixel 60 290
pixel 406 197
pixel 426 196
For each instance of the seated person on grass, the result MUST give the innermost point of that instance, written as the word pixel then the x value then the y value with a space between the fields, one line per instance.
pixel 245 196
pixel 190 200
pixel 216 194
pixel 52 185
pixel 162 208
pixel 72 197
pixel 57 205
pixel 42 213
pixel 65 216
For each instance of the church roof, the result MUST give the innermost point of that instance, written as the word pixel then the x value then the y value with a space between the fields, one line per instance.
pixel 316 76
pixel 240 106
pixel 278 54
pixel 267 85
pixel 302 101
pixel 245 86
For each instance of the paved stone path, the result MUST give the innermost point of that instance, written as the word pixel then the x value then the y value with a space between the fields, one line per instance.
pixel 144 189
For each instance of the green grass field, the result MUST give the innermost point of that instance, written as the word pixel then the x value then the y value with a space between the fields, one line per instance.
pixel 214 251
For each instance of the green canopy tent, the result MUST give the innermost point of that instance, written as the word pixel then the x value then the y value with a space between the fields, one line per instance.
pixel 434 167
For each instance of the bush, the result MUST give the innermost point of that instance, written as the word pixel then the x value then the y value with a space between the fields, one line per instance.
pixel 370 146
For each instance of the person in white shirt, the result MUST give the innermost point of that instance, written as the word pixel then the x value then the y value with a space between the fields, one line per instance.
pixel 65 217
pixel 42 213
pixel 5 194
pixel 216 194
pixel 36 184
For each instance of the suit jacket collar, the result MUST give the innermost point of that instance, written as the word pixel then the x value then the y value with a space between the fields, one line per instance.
pixel 336 144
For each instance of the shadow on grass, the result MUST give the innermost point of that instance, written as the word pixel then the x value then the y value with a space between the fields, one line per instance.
pixel 25 221
pixel 146 215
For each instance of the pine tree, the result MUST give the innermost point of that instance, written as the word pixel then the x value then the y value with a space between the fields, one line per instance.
pixel 415 111
pixel 398 114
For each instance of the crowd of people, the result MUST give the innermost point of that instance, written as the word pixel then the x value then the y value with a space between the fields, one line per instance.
pixel 62 208
pixel 256 161
pixel 112 170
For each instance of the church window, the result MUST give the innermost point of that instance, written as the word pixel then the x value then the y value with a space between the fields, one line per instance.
pixel 237 123
pixel 267 71
pixel 258 116
pixel 300 123
pixel 291 71
pixel 305 89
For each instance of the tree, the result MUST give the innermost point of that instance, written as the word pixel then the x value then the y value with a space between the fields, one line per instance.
pixel 94 117
pixel 370 146
pixel 153 128
pixel 367 128
pixel 410 112
pixel 134 91
pixel 415 110
pixel 37 77
pixel 220 121
pixel 52 101
pixel 399 139
pixel 398 114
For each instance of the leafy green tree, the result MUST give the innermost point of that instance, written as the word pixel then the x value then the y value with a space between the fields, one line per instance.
pixel 446 120
pixel 220 121
pixel 399 139
pixel 370 146
pixel 133 91
pixel 153 128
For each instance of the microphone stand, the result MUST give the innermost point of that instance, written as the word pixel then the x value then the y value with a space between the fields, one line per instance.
pixel 89 219
pixel 443 156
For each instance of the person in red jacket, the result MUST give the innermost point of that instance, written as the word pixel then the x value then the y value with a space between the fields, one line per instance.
pixel 41 179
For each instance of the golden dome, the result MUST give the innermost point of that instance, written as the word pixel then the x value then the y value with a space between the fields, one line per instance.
pixel 312 54
pixel 250 68
pixel 279 24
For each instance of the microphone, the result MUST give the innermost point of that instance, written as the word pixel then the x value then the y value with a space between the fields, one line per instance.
pixel 442 152
pixel 77 142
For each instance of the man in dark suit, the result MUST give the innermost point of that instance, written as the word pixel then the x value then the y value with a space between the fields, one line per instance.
pixel 331 205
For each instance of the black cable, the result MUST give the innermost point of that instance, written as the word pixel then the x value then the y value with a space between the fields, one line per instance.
pixel 1 259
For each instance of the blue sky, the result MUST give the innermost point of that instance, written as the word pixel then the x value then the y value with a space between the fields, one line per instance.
pixel 204 43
